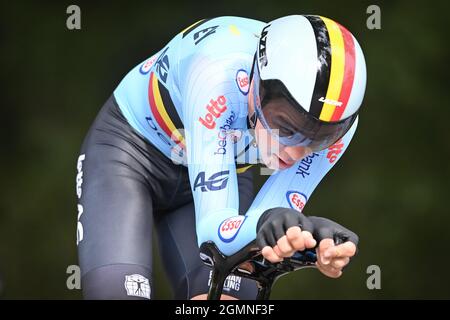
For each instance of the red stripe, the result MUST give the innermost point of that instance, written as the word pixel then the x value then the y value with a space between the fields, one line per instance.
pixel 154 109
pixel 349 73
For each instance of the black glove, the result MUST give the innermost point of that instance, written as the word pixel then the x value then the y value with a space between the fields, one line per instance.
pixel 274 223
pixel 325 228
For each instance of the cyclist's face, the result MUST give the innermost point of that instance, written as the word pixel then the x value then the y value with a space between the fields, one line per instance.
pixel 274 154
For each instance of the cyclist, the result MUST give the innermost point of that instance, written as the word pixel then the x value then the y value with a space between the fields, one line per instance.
pixel 171 148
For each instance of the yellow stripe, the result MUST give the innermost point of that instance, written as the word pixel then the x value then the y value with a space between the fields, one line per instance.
pixel 234 30
pixel 243 169
pixel 337 67
pixel 191 25
pixel 163 113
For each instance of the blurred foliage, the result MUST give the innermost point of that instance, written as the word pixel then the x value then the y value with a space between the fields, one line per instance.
pixel 390 187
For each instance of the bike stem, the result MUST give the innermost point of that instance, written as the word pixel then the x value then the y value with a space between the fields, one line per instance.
pixel 217 281
pixel 222 265
pixel 263 272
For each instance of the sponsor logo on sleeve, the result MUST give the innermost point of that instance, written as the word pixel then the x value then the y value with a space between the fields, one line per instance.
pixel 147 65
pixel 224 134
pixel 305 165
pixel 335 150
pixel 161 136
pixel 162 65
pixel 230 227
pixel 296 200
pixel 216 181
pixel 242 81
pixel 204 33
pixel 215 109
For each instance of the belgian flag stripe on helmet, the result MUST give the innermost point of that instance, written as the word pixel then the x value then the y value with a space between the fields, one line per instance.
pixel 349 73
pixel 324 61
pixel 336 69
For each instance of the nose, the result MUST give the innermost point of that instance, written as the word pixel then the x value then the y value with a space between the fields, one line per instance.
pixel 297 153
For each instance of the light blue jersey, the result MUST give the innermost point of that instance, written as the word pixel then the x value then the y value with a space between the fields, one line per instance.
pixel 190 101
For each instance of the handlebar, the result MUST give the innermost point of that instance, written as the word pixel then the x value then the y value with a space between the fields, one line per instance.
pixel 250 263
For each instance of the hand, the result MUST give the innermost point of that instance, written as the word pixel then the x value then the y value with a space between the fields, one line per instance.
pixel 294 240
pixel 281 232
pixel 333 257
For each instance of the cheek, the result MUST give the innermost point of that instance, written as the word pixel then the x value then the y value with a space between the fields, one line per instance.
pixel 264 138
pixel 266 143
pixel 297 153
pixel 271 146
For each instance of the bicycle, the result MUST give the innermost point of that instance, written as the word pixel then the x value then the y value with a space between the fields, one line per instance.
pixel 249 263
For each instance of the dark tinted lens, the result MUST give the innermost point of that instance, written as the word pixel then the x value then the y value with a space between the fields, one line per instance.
pixel 283 117
pixel 293 124
pixel 327 133
pixel 296 127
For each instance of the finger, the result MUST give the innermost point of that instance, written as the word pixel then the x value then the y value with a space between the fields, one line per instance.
pixel 329 272
pixel 284 246
pixel 339 263
pixel 319 257
pixel 309 240
pixel 347 249
pixel 278 252
pixel 270 254
pixel 324 245
pixel 295 237
pixel 331 253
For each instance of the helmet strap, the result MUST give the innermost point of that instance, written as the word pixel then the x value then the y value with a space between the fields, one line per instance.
pixel 251 123
pixel 251 120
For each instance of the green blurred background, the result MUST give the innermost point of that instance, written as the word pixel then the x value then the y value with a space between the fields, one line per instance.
pixel 390 187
